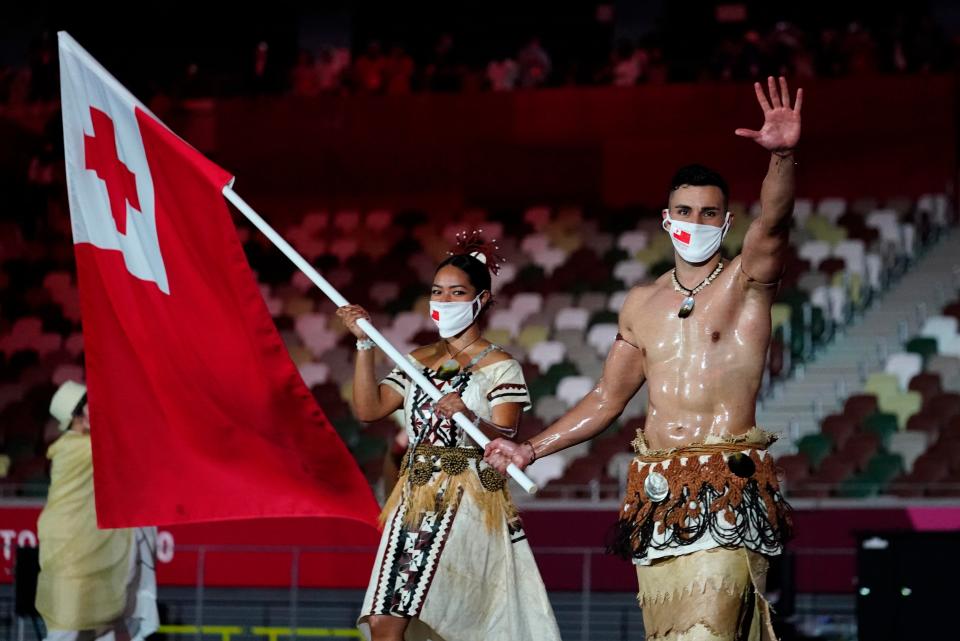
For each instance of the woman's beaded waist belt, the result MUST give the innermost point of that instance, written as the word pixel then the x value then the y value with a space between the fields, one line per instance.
pixel 439 450
pixel 453 461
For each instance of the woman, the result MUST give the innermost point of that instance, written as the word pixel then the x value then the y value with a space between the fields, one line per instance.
pixel 453 562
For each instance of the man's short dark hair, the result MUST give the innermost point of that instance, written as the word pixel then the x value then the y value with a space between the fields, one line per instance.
pixel 699 176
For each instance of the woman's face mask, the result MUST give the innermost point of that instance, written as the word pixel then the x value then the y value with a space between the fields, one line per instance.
pixel 695 243
pixel 454 317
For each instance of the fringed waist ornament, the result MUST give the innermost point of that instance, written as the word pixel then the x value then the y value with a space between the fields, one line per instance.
pixel 728 491
pixel 434 478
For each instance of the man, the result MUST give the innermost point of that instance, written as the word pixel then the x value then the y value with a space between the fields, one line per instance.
pixel 702 509
pixel 93 584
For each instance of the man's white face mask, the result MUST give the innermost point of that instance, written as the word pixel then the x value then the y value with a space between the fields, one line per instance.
pixel 695 243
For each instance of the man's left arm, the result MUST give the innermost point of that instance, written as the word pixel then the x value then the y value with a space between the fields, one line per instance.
pixel 763 255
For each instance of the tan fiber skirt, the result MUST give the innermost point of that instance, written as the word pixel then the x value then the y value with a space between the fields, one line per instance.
pixel 712 595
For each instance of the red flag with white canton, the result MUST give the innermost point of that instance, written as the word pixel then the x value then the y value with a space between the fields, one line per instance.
pixel 197 411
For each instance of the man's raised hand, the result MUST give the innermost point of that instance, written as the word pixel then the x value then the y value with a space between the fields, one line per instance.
pixel 781 122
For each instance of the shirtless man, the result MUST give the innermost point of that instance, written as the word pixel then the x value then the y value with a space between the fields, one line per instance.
pixel 702 508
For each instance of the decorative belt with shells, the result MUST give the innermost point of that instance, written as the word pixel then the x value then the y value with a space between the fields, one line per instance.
pixel 735 455
pixel 453 461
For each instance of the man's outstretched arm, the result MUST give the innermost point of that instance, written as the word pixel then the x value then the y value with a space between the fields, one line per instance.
pixel 623 374
pixel 763 248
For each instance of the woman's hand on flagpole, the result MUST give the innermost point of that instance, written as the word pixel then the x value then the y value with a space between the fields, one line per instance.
pixel 450 404
pixel 349 315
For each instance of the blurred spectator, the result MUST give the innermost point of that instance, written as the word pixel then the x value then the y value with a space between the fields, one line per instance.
pixel 782 45
pixel 750 63
pixel 444 71
pixel 725 59
pixel 657 72
pixel 193 83
pixel 829 59
pixel 44 83
pixel 629 65
pixel 398 70
pixel 860 50
pixel 369 70
pixel 896 56
pixel 929 51
pixel 304 78
pixel 268 75
pixel 18 91
pixel 502 74
pixel 330 67
pixel 42 178
pixel 259 80
pixel 534 64
pixel 803 62
pixel 42 167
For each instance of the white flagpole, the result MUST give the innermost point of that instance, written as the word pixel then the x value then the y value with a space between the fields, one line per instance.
pixel 415 375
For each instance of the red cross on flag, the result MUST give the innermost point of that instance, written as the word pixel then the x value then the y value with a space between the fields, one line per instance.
pixel 197 411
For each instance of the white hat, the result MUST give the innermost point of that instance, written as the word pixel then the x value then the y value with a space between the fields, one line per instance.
pixel 65 401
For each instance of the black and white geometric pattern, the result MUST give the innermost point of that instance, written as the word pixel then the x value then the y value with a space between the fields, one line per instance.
pixel 430 428
pixel 410 561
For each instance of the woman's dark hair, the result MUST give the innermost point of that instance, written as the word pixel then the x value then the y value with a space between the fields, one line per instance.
pixel 477 273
